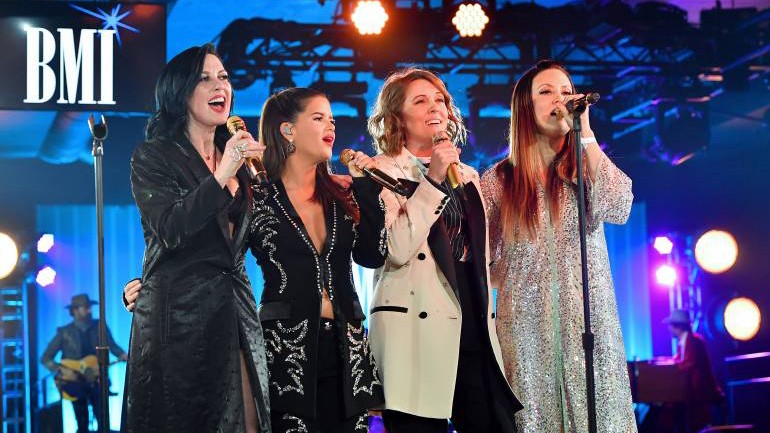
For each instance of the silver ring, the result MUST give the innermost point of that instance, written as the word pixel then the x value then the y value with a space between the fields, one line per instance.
pixel 235 154
pixel 241 147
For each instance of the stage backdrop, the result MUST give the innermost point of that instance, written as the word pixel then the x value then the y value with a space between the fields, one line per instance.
pixel 74 259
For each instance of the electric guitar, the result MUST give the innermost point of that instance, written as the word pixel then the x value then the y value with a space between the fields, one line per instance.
pixel 85 378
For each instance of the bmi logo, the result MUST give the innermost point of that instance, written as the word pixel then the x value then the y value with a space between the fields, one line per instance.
pixel 76 69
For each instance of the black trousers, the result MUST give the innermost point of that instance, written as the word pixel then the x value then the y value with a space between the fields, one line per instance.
pixel 330 409
pixel 473 407
pixel 481 402
pixel 80 407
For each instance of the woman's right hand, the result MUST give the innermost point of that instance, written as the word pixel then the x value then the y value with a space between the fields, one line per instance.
pixel 240 146
pixel 444 154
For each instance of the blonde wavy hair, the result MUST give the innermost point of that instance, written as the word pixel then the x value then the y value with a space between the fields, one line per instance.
pixel 385 124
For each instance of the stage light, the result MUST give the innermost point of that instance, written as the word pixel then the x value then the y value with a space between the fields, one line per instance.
pixel 45 243
pixel 46 276
pixel 369 17
pixel 9 255
pixel 716 251
pixel 663 245
pixel 742 318
pixel 470 20
pixel 665 275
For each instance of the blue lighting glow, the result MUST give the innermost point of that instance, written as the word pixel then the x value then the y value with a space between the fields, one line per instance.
pixel 111 20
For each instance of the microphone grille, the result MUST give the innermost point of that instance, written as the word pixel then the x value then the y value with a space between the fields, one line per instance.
pixel 439 137
pixel 592 98
pixel 235 124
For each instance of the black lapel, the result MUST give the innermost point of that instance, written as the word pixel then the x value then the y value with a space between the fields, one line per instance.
pixel 474 214
pixel 197 168
pixel 409 185
pixel 193 162
pixel 330 212
pixel 283 200
pixel 438 241
pixel 245 219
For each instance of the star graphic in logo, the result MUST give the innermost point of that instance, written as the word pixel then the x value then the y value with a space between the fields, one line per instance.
pixel 111 20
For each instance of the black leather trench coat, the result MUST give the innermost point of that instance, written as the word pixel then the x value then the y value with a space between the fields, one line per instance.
pixel 196 311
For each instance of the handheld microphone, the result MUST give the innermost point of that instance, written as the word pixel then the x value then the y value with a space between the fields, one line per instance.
pixel 453 171
pixel 582 102
pixel 254 167
pixel 375 174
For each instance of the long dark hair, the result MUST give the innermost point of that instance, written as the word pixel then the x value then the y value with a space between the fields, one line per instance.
pixel 173 90
pixel 520 172
pixel 285 106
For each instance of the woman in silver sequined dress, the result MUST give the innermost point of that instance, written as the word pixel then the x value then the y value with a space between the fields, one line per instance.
pixel 532 210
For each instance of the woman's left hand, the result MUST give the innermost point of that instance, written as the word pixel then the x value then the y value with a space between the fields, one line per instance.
pixel 359 162
pixel 584 120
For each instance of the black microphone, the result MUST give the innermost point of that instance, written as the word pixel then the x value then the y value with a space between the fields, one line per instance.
pixel 375 174
pixel 582 102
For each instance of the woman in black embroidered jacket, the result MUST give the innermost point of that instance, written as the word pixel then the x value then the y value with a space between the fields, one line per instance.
pixel 304 231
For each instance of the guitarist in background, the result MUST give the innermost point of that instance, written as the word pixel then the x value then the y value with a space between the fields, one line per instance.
pixel 76 341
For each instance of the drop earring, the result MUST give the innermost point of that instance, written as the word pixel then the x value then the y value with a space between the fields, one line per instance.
pixel 291 147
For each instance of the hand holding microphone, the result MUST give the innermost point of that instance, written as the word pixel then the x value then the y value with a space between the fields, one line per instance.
pixel 357 162
pixel 253 159
pixel 363 164
pixel 582 102
pixel 445 162
pixel 237 148
pixel 576 106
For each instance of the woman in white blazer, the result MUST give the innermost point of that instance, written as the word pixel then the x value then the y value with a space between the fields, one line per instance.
pixel 432 327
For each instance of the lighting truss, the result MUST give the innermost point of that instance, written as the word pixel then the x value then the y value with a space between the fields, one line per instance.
pixel 637 56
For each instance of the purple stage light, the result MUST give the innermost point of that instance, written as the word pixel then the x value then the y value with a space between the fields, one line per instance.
pixel 666 275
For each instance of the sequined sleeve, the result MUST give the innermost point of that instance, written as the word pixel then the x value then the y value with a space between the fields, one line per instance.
pixel 491 192
pixel 610 195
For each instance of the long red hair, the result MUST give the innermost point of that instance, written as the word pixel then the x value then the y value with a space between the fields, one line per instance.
pixel 520 172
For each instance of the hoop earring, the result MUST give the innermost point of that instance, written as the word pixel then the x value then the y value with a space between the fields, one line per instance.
pixel 291 148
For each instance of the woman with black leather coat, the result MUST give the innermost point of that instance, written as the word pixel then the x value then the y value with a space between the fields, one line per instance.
pixel 197 360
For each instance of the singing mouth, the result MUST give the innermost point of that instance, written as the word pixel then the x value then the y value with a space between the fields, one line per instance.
pixel 329 139
pixel 433 122
pixel 218 102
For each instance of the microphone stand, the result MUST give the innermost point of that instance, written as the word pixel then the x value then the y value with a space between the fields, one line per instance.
pixel 588 336
pixel 99 133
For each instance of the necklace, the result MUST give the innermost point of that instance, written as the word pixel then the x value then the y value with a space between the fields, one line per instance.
pixel 209 157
